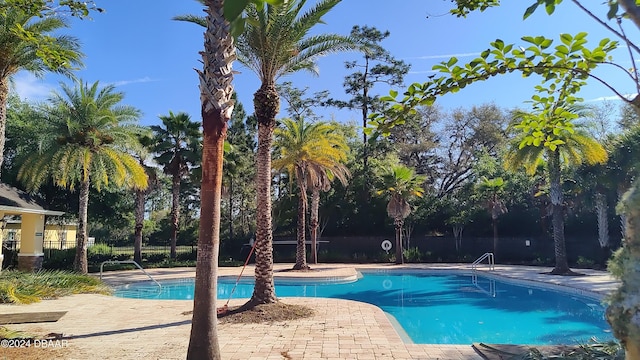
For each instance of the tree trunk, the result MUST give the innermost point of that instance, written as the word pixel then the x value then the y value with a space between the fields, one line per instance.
pixel 457 235
pixel 398 225
pixel 313 224
pixel 216 90
pixel 603 226
pixel 623 313
pixel 175 212
pixel 301 246
pixel 266 103
pixel 365 118
pixel 623 217
pixel 557 203
pixel 139 216
pixel 204 309
pixel 494 224
pixel 80 263
pixel 231 208
pixel 603 220
pixel 4 93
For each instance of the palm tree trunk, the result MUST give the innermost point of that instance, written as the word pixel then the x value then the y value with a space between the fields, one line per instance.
pixel 557 200
pixel 266 102
pixel 175 212
pixel 603 225
pixel 494 223
pixel 216 90
pixel 4 93
pixel 231 208
pixel 398 225
pixel 139 216
pixel 623 217
pixel 313 224
pixel 301 246
pixel 80 263
pixel 204 317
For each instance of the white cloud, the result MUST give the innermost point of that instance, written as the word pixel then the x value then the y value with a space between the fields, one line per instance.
pixel 423 72
pixel 134 81
pixel 612 98
pixel 444 56
pixel 30 87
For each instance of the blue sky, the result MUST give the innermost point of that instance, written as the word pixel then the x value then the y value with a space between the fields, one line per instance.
pixel 137 47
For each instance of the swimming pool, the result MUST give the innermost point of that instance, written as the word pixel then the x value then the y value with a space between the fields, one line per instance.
pixel 439 308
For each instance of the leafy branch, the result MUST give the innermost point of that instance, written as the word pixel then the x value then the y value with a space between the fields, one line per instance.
pixel 565 66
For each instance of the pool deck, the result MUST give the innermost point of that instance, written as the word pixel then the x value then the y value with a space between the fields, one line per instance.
pixel 106 327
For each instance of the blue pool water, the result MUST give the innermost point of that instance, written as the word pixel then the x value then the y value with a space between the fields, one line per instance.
pixel 439 309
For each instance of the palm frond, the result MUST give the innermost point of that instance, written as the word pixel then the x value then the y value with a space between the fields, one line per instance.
pixel 89 136
pixel 198 20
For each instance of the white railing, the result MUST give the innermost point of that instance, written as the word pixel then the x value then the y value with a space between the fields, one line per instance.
pixel 127 262
pixel 486 256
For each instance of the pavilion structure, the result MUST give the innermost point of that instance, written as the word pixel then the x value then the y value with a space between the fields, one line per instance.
pixel 15 202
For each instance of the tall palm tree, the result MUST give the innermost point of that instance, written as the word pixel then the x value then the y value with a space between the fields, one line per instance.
pixel 19 54
pixel 276 42
pixel 141 154
pixel 322 182
pixel 178 149
pixel 86 143
pixel 309 151
pixel 216 90
pixel 491 190
pixel 575 147
pixel 400 184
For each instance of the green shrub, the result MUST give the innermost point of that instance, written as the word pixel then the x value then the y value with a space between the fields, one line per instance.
pixel 6 333
pixel 333 257
pixel 156 258
pixel 360 257
pixel 26 287
pixel 123 257
pixel 187 256
pixel 98 253
pixel 412 255
pixel 584 262
pixel 59 259
pixel 99 249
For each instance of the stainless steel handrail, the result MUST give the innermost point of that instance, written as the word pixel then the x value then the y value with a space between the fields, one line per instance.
pixel 127 262
pixel 488 256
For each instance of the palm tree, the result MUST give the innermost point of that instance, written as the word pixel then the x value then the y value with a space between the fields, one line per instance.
pixel 574 147
pixel 310 152
pixel 216 90
pixel 141 154
pixel 623 165
pixel 400 184
pixel 491 189
pixel 276 42
pixel 20 54
pixel 86 143
pixel 322 182
pixel 177 146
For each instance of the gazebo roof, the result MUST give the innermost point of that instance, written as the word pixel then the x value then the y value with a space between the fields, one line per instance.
pixel 16 201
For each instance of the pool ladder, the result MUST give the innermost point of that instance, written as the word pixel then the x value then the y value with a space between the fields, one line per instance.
pixel 128 262
pixel 486 256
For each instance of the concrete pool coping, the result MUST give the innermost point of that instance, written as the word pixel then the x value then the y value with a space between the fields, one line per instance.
pixel 107 327
pixel 593 283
